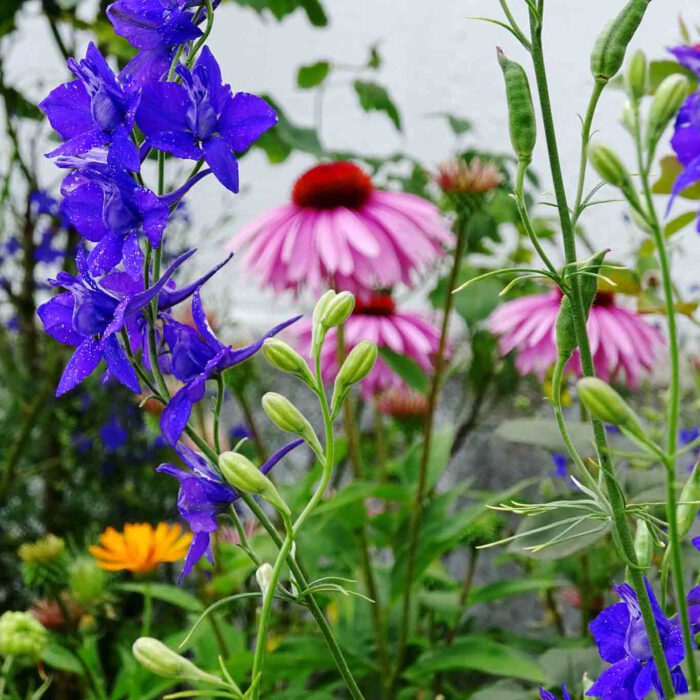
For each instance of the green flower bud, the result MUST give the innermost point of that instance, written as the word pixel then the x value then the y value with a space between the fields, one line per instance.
pixel 610 47
pixel 338 310
pixel 667 101
pixel 161 660
pixel 628 118
pixel 643 544
pixel 286 416
pixel 317 329
pixel 636 76
pixel 43 551
pixel 263 576
pixel 44 564
pixel 22 635
pixel 244 476
pixel 86 580
pixel 687 512
pixel 282 356
pixel 609 166
pixel 607 405
pixel 521 112
pixel 358 364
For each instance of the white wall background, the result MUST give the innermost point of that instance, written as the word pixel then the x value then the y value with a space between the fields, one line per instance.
pixel 435 60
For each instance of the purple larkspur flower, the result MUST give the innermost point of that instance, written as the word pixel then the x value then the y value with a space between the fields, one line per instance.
pixel 89 316
pixel 204 495
pixel 197 355
pixel 686 144
pixel 561 466
pixel 622 641
pixel 688 57
pixel 45 251
pixel 202 119
pixel 546 695
pixel 157 28
pixel 240 431
pixel 94 111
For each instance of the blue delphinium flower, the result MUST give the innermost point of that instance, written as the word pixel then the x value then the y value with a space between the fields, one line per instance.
pixel 546 695
pixel 687 437
pixel 622 641
pixel 157 28
pixel 240 431
pixel 94 111
pixel 204 495
pixel 561 466
pixel 196 356
pixel 113 434
pixel 688 56
pixel 89 315
pixel 202 119
pixel 686 144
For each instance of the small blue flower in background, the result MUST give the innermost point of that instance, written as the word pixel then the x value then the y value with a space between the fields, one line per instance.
pixel 196 356
pixel 240 431
pixel 561 466
pixel 95 111
pixel 612 429
pixel 204 495
pixel 157 28
pixel 546 695
pixel 113 435
pixel 687 437
pixel 202 119
pixel 622 641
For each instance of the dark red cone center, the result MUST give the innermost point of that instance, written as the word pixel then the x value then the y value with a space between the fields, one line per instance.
pixel 331 185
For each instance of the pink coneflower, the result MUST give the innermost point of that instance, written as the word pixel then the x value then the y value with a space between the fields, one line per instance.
pixel 403 403
pixel 339 230
pixel 377 319
pixel 621 342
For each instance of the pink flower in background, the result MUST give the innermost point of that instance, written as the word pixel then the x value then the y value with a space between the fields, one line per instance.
pixel 340 231
pixel 377 319
pixel 622 343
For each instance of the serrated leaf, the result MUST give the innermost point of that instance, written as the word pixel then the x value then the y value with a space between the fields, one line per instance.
pixel 411 372
pixel 312 75
pixel 375 98
pixel 163 591
pixel 478 653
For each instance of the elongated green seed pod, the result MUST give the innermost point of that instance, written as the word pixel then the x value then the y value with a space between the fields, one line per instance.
pixel 687 511
pixel 643 544
pixel 610 47
pixel 521 112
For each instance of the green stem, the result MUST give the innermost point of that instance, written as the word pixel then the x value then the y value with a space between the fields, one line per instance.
pixel 416 516
pixel 673 411
pixel 5 671
pixel 615 494
pixel 202 39
pixel 265 613
pixel 147 610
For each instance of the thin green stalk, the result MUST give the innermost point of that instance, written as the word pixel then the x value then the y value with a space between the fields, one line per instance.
pixel 673 411
pixel 615 494
pixel 265 613
pixel 5 671
pixel 147 610
pixel 202 39
pixel 416 516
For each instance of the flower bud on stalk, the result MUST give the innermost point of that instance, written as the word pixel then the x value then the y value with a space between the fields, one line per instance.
pixel 643 544
pixel 244 476
pixel 161 660
pixel 610 47
pixel 358 364
pixel 338 310
pixel 667 101
pixel 286 416
pixel 687 511
pixel 609 166
pixel 282 356
pixel 608 406
pixel 521 112
pixel 317 329
pixel 263 576
pixel 636 76
pixel 21 635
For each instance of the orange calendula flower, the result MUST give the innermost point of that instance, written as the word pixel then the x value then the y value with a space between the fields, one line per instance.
pixel 140 547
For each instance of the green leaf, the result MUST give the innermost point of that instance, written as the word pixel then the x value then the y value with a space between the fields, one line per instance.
pixel 315 12
pixel 313 75
pixel 8 10
pixel 165 592
pixel 475 303
pixel 506 588
pixel 440 452
pixel 569 665
pixel 60 658
pixel 412 373
pixel 478 653
pixel 375 98
pixel 375 60
pixel 679 223
pixel 285 137
pixel 503 690
pixel 660 70
pixel 279 9
pixel 544 433
pixel 361 490
pixel 670 170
